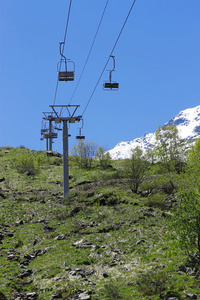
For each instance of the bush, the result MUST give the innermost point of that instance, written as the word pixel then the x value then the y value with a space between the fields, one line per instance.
pixel 112 290
pixel 152 283
pixel 40 160
pixel 157 201
pixel 25 164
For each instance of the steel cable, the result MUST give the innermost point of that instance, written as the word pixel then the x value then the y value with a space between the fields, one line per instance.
pixel 65 35
pixel 109 56
pixel 90 51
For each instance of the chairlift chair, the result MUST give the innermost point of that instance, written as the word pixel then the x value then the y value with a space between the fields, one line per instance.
pixel 111 85
pixel 57 128
pixel 43 130
pixel 63 73
pixel 80 136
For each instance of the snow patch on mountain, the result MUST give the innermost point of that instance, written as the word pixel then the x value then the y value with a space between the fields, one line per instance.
pixel 188 125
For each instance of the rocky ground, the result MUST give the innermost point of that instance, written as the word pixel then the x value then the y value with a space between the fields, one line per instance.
pixel 104 242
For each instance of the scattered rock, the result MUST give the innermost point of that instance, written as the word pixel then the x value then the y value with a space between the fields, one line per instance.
pixel 140 242
pixel 80 272
pixel 105 275
pixel 60 237
pixel 145 193
pixel 28 173
pixel 18 223
pixel 51 153
pixel 25 274
pixel 27 296
pixel 57 182
pixel 35 242
pixel 191 296
pixel 48 228
pixel 167 214
pixel 57 296
pixel 171 295
pixel 84 295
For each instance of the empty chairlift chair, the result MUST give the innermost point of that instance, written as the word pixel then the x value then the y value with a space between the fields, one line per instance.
pixel 66 68
pixel 80 136
pixel 111 85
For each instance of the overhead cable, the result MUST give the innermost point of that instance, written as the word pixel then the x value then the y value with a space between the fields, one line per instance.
pixel 109 56
pixel 90 51
pixel 65 35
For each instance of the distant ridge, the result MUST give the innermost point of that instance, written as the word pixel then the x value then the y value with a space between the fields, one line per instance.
pixel 188 125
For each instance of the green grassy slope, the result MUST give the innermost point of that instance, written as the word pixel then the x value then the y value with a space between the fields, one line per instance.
pixel 104 242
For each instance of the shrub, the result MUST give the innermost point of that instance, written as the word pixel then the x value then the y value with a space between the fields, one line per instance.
pixel 152 283
pixel 25 164
pixel 40 160
pixel 157 201
pixel 111 290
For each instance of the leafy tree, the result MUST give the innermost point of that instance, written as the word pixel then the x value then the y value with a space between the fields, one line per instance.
pixel 135 168
pixel 84 153
pixel 103 157
pixel 194 160
pixel 150 155
pixel 188 209
pixel 188 219
pixel 170 149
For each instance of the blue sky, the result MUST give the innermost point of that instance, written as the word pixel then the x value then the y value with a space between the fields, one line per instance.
pixel 157 66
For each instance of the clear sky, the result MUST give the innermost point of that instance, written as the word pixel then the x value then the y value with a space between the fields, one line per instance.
pixel 157 66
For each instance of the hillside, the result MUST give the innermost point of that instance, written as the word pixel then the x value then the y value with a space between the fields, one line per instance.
pixel 104 242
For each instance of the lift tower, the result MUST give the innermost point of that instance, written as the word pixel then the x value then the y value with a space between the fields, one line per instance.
pixel 48 134
pixel 71 109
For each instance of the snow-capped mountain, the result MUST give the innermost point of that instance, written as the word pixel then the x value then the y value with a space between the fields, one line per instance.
pixel 188 125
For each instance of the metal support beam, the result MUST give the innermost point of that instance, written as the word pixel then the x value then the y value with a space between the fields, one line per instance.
pixel 65 160
pixel 47 144
pixel 65 120
pixel 50 132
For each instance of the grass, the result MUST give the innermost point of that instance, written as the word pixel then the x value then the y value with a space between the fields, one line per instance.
pixel 123 245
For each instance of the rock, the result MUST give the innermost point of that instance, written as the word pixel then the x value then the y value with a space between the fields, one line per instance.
pixel 60 237
pixel 84 296
pixel 32 296
pixel 191 296
pixel 27 296
pixel 48 228
pixel 28 173
pixel 29 257
pixel 57 296
pixel 171 295
pixel 140 242
pixel 1 236
pixel 25 274
pixel 17 223
pixel 105 275
pixel 167 214
pixel 51 153
pixel 35 242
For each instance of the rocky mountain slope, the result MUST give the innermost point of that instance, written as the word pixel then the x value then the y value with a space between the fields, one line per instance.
pixel 103 243
pixel 188 125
